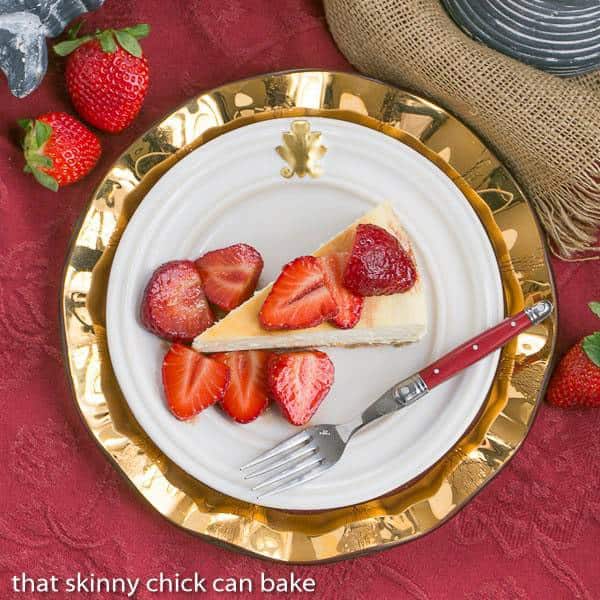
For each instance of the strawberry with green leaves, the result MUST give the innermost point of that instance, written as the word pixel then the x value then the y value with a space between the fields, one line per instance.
pixel 107 75
pixel 58 149
pixel 576 380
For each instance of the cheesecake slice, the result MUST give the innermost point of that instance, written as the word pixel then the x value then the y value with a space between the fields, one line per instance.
pixel 394 319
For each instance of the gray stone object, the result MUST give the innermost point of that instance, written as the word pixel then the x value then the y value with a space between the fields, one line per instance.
pixel 24 27
pixel 558 36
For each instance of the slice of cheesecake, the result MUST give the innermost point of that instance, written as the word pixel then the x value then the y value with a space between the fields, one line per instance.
pixel 393 319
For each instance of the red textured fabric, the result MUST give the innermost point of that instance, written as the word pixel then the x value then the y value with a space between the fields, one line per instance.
pixel 532 533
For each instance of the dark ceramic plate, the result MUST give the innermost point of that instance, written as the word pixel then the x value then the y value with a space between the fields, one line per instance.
pixel 559 37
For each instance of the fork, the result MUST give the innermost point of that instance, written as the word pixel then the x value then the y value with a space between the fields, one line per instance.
pixel 316 449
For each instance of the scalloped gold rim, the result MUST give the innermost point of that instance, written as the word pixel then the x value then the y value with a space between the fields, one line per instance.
pixel 430 499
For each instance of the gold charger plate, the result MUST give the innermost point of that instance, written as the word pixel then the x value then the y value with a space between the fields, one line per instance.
pixel 430 499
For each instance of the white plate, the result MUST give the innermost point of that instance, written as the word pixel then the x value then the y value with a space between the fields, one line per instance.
pixel 230 190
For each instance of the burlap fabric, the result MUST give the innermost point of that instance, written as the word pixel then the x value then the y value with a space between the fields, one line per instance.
pixel 547 129
pixel 589 82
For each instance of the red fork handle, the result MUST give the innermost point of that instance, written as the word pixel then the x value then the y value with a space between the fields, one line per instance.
pixel 483 344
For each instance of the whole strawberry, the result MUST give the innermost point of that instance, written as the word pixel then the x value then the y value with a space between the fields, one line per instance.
pixel 576 380
pixel 58 149
pixel 107 75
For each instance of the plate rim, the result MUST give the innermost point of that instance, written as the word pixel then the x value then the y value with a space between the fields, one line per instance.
pixel 264 524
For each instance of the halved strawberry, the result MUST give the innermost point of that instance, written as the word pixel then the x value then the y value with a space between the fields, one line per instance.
pixel 299 297
pixel 192 381
pixel 378 263
pixel 174 305
pixel 349 305
pixel 230 274
pixel 298 382
pixel 247 395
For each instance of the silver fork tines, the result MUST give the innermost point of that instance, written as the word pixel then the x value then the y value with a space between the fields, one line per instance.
pixel 287 458
pixel 308 474
pixel 292 462
pixel 289 473
pixel 300 458
pixel 294 458
pixel 286 445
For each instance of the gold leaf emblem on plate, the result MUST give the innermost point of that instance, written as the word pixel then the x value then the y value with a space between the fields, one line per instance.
pixel 302 150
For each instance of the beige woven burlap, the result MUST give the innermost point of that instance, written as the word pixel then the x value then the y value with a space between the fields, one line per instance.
pixel 589 82
pixel 546 129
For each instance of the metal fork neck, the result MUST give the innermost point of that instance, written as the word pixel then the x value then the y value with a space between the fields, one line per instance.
pixel 400 396
pixel 409 391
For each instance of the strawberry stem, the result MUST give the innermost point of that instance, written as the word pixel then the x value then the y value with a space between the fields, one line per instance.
pixel 74 31
pixel 37 133
pixel 591 346
pixel 65 48
pixel 107 41
pixel 129 43
pixel 127 38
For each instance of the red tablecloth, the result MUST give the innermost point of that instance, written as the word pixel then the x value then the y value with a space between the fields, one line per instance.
pixel 532 533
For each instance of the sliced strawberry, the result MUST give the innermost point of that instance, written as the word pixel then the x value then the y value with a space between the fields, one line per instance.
pixel 192 381
pixel 230 274
pixel 299 297
pixel 247 395
pixel 174 305
pixel 349 305
pixel 298 382
pixel 378 264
